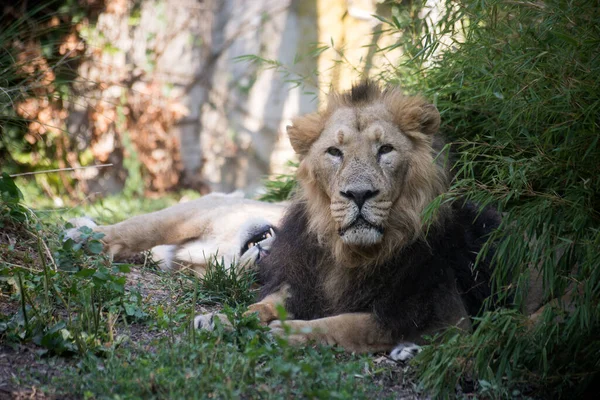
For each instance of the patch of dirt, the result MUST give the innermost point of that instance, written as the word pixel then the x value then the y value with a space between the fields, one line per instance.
pixel 19 246
pixel 25 374
pixel 395 381
pixel 7 305
pixel 151 285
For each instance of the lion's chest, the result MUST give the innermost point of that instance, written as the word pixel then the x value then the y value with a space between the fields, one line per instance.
pixel 350 290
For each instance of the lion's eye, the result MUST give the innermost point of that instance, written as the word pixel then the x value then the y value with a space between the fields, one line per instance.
pixel 386 148
pixel 334 151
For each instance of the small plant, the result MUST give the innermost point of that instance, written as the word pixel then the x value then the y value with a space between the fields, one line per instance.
pixel 231 285
pixel 247 362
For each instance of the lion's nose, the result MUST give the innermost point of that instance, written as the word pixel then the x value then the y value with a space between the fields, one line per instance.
pixel 359 196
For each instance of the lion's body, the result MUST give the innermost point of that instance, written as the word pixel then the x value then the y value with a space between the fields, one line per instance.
pixel 354 264
pixel 421 288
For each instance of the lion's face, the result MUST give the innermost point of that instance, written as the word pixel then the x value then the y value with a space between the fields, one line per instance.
pixel 367 166
pixel 360 159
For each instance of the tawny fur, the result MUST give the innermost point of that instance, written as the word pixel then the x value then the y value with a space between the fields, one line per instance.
pixel 189 234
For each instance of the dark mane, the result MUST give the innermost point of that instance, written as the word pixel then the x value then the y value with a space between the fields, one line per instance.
pixel 403 291
pixel 362 93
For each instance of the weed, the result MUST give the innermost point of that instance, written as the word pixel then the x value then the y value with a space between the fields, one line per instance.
pixel 220 364
pixel 230 285
pixel 280 187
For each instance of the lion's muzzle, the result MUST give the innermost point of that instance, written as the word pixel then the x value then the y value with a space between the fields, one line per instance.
pixel 359 213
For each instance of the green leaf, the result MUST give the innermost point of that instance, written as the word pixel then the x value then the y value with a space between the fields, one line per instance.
pixel 86 230
pixel 86 273
pixel 95 246
pixel 9 192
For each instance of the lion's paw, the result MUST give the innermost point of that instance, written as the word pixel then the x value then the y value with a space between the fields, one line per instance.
pixel 293 334
pixel 276 326
pixel 266 312
pixel 204 322
pixel 405 351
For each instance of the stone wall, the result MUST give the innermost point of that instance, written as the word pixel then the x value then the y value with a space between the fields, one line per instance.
pixel 184 108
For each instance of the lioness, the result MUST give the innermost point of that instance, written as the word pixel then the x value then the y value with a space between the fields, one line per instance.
pixel 235 229
pixel 353 264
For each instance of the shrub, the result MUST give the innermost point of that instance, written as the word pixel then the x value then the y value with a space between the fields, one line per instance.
pixel 62 295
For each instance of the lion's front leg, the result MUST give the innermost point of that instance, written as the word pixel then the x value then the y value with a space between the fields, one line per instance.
pixel 355 332
pixel 266 311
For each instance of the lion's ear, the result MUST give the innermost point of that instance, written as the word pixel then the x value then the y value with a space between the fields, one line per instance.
pixel 412 113
pixel 304 131
pixel 420 116
pixel 430 119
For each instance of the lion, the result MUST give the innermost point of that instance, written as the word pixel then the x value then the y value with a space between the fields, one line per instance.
pixel 187 235
pixel 354 264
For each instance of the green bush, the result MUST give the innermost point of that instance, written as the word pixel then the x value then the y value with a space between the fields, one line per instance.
pixel 517 86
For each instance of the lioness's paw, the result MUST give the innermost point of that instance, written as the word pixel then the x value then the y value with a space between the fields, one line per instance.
pixel 74 232
pixel 405 351
pixel 207 321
